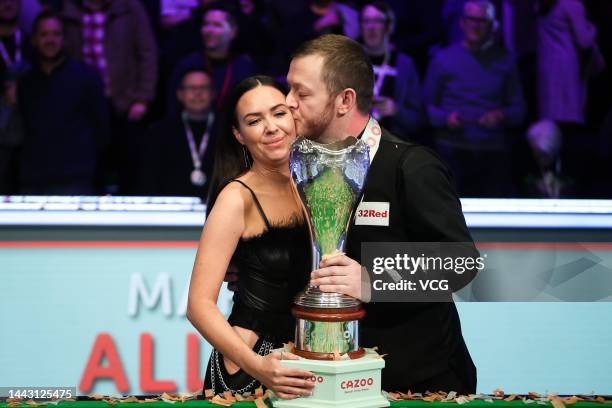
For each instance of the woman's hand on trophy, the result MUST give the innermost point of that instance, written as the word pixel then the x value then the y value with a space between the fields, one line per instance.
pixel 340 274
pixel 286 382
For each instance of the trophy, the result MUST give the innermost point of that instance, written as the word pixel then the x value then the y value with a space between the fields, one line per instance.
pixel 330 180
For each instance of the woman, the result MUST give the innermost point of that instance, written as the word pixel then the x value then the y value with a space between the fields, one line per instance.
pixel 255 223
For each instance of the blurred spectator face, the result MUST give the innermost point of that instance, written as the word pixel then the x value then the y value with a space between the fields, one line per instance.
pixel 217 30
pixel 9 10
pixel 48 39
pixel 195 92
pixel 476 23
pixel 311 104
pixel 374 26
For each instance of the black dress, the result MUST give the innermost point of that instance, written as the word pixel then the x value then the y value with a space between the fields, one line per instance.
pixel 273 267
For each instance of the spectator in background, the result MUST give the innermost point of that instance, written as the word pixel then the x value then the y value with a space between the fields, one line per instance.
pixel 309 19
pixel 473 95
pixel 115 37
pixel 11 134
pixel 397 96
pixel 565 36
pixel 219 29
pixel 14 43
pixel 567 52
pixel 180 149
pixel 15 52
pixel 65 116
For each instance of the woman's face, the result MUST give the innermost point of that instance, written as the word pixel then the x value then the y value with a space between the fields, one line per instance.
pixel 265 125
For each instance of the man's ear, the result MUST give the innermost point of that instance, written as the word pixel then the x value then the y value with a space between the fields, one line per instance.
pixel 237 135
pixel 346 101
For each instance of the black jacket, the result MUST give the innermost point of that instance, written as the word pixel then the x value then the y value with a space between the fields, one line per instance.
pixel 422 340
pixel 167 165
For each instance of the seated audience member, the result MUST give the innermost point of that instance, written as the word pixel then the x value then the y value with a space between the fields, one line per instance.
pixel 544 139
pixel 397 96
pixel 65 117
pixel 219 29
pixel 180 149
pixel 473 97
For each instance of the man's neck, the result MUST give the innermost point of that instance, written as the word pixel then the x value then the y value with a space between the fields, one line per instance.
pixel 7 28
pixel 471 46
pixel 197 116
pixel 340 128
pixel 378 50
pixel 218 54
pixel 94 5
pixel 48 65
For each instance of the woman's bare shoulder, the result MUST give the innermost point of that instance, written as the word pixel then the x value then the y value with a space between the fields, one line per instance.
pixel 233 199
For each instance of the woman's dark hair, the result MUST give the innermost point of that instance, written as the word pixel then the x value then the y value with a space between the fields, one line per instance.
pixel 545 6
pixel 230 155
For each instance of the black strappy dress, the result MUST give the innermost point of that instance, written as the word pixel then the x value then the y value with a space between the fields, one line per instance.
pixel 272 268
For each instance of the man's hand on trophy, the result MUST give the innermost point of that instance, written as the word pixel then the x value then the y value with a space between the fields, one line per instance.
pixel 287 383
pixel 341 274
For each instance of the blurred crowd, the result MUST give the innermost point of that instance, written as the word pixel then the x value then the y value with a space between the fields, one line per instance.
pixel 126 96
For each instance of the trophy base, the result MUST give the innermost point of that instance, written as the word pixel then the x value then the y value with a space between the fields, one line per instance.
pixel 313 355
pixel 340 383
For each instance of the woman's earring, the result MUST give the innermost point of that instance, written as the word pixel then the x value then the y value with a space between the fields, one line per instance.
pixel 246 157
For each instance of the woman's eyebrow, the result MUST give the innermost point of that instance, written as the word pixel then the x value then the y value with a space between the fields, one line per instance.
pixel 259 113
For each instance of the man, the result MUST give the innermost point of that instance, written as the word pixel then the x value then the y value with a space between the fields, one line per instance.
pixel 331 83
pixel 473 97
pixel 115 37
pixel 15 55
pixel 65 116
pixel 219 29
pixel 397 95
pixel 181 148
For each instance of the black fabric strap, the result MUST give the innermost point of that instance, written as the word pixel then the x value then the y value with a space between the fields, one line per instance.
pixel 259 207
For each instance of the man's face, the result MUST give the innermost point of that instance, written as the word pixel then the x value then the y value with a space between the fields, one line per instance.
pixel 311 105
pixel 373 26
pixel 9 10
pixel 475 24
pixel 195 92
pixel 217 32
pixel 48 39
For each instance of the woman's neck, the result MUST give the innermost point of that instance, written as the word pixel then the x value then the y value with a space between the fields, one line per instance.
pixel 272 175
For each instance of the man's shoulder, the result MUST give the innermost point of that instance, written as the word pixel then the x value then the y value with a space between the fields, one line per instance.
pixel 412 155
pixel 80 70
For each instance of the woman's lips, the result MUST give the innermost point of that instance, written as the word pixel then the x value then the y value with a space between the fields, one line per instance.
pixel 277 141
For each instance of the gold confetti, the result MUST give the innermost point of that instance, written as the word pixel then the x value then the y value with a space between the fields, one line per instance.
pixel 229 396
pixel 557 403
pixel 259 403
pixel 129 399
pixel 220 401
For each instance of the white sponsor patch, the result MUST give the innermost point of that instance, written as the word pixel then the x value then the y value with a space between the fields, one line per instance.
pixel 372 213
